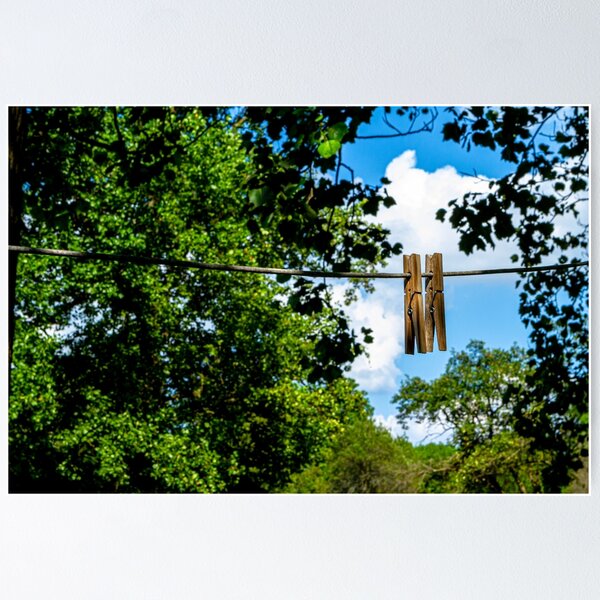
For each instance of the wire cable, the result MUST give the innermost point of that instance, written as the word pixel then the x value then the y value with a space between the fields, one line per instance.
pixel 189 264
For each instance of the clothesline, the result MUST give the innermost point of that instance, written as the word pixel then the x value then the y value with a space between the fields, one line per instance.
pixel 188 264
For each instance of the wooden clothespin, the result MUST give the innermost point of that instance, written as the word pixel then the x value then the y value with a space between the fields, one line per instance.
pixel 435 318
pixel 414 321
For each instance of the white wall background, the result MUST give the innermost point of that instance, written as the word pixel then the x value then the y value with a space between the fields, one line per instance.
pixel 267 51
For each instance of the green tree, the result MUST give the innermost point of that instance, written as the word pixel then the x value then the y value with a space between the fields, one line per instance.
pixel 130 378
pixel 201 354
pixel 432 463
pixel 365 459
pixel 474 401
pixel 546 149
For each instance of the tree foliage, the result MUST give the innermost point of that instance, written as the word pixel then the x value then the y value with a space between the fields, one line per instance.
pixel 366 459
pixel 540 206
pixel 129 378
pixel 478 401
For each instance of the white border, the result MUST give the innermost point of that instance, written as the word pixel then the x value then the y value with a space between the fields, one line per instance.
pixel 333 52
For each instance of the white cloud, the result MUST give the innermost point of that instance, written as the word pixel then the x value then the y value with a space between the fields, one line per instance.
pixel 419 195
pixel 417 433
pixel 378 371
pixel 390 423
pixel 412 222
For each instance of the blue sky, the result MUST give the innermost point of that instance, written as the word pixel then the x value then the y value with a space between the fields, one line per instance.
pixel 426 173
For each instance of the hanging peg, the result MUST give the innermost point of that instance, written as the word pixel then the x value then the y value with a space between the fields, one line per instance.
pixel 417 302
pixel 414 321
pixel 435 317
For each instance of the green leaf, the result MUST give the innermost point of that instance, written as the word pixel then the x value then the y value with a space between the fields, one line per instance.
pixel 329 148
pixel 260 197
pixel 337 132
